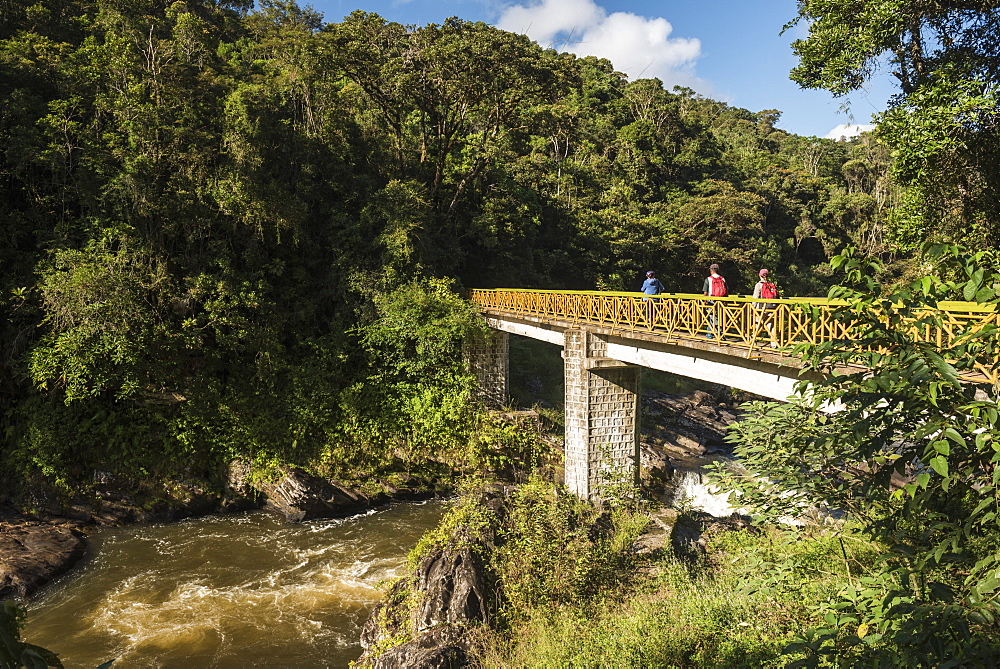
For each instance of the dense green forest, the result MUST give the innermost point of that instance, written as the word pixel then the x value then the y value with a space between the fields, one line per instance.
pixel 236 233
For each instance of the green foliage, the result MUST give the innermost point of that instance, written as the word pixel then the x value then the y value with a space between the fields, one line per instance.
pixel 910 454
pixel 15 653
pixel 101 308
pixel 466 524
pixel 419 329
pixel 556 550
pixel 221 223
pixel 947 142
pixel 619 486
pixel 735 612
pixel 942 128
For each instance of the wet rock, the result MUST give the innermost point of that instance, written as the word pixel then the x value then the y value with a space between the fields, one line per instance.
pixel 451 589
pixel 435 649
pixel 455 589
pixel 302 496
pixel 654 463
pixel 685 426
pixel 33 553
pixel 238 478
pixel 692 531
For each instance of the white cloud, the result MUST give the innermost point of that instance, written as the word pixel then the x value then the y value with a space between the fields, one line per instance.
pixel 638 46
pixel 848 130
pixel 543 21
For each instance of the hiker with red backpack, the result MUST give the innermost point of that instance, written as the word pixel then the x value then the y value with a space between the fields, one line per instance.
pixel 765 290
pixel 714 286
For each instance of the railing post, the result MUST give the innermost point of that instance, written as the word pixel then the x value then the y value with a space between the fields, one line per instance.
pixel 602 414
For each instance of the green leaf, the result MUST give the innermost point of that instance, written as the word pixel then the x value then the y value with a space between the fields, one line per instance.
pixel 972 286
pixel 940 465
pixel 952 433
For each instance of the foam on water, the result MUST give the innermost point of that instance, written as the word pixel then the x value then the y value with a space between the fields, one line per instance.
pixel 231 591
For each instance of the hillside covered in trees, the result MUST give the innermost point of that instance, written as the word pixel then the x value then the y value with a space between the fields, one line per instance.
pixel 226 230
pixel 238 234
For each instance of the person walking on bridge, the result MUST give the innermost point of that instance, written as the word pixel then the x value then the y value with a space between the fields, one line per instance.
pixel 714 286
pixel 651 286
pixel 765 290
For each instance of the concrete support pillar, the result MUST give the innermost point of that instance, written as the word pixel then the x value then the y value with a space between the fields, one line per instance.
pixel 488 359
pixel 602 413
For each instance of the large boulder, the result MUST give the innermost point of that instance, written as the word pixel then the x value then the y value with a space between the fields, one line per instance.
pixel 654 463
pixel 440 648
pixel 33 553
pixel 689 425
pixel 302 496
pixel 455 589
pixel 693 530
pixel 451 589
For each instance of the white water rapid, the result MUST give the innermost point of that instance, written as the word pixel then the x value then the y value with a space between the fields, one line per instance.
pixel 227 591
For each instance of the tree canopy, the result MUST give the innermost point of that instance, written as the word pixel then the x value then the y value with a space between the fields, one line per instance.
pixel 213 209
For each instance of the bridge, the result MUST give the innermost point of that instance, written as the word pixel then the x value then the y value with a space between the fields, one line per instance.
pixel 607 338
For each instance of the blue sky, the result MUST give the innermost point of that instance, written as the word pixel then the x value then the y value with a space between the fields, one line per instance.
pixel 729 50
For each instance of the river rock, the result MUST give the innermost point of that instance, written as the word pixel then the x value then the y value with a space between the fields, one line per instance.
pixel 302 496
pixel 435 649
pixel 687 425
pixel 692 530
pixel 654 462
pixel 33 553
pixel 450 590
pixel 454 584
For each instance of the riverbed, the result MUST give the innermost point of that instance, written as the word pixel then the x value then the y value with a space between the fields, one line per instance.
pixel 243 590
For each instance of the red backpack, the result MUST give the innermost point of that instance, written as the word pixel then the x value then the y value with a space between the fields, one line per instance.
pixel 768 290
pixel 717 287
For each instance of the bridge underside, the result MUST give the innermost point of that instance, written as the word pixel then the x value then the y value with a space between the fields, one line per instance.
pixel 602 370
pixel 766 373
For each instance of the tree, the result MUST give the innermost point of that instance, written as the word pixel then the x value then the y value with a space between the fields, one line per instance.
pixel 944 127
pixel 913 456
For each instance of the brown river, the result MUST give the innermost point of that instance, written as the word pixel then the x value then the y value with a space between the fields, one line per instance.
pixel 244 590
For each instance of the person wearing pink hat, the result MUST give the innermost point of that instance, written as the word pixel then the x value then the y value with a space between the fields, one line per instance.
pixel 765 290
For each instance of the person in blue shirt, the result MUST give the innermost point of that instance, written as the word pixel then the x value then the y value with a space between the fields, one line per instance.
pixel 652 285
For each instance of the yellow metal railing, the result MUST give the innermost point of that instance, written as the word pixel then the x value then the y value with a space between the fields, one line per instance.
pixel 743 323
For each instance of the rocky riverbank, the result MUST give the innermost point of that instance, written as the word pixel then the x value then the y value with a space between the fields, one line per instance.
pixel 36 548
pixel 435 616
pixel 429 618
pixel 39 547
pixel 33 552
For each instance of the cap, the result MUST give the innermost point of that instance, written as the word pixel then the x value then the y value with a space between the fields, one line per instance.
pixel 763 273
pixel 713 266
pixel 650 273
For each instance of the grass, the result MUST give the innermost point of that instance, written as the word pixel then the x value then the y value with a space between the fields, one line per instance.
pixel 739 607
